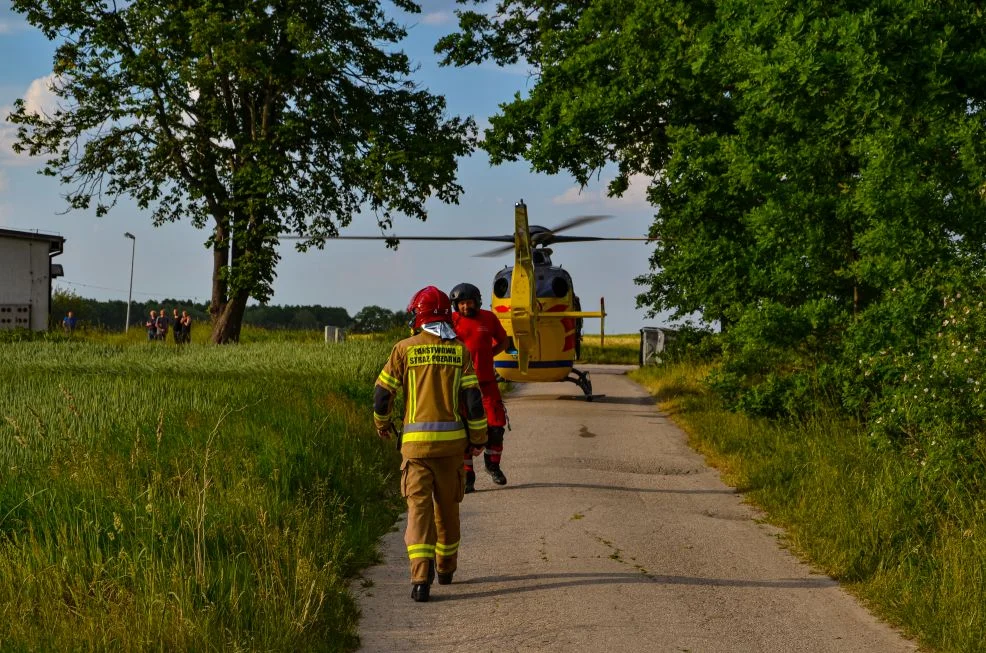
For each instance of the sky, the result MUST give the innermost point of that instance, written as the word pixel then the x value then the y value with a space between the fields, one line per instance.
pixel 171 260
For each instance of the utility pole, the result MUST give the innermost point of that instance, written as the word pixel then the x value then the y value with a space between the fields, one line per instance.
pixel 130 294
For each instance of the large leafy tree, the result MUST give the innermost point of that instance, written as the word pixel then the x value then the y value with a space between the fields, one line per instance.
pixel 254 118
pixel 806 158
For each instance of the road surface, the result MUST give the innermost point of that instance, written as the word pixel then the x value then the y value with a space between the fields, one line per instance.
pixel 611 535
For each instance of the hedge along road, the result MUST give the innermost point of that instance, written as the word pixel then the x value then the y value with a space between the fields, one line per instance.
pixel 612 535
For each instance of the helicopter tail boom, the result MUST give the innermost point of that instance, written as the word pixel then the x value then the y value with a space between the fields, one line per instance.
pixel 523 306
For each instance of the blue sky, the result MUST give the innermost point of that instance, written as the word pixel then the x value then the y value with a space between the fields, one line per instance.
pixel 172 262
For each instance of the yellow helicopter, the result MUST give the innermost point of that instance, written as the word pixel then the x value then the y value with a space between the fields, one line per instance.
pixel 535 302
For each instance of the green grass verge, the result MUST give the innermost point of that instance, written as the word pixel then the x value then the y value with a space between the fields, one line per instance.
pixel 194 498
pixel 913 551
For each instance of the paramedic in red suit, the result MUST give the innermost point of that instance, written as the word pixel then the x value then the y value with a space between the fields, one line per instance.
pixel 484 337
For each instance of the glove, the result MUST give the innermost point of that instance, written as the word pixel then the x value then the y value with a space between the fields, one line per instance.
pixel 384 434
pixel 475 449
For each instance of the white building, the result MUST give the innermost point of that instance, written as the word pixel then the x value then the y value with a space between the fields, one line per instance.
pixel 26 272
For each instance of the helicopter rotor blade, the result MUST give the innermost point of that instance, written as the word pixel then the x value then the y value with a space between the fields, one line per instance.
pixel 496 252
pixel 492 239
pixel 578 221
pixel 585 239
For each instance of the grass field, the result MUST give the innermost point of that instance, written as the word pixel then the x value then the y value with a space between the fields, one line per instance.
pixel 195 498
pixel 619 349
pixel 913 550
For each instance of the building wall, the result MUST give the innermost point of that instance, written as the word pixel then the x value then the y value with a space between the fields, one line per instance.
pixel 25 280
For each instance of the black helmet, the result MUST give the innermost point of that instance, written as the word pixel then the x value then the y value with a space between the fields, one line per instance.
pixel 465 291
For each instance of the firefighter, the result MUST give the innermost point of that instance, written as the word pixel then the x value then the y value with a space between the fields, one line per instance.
pixel 485 338
pixel 436 374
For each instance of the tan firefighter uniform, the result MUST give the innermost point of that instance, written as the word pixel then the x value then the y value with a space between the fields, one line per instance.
pixel 439 385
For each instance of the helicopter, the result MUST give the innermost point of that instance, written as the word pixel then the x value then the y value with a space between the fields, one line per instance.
pixel 535 302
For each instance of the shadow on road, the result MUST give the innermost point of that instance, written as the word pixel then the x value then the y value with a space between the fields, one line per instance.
pixel 562 581
pixel 646 400
pixel 591 486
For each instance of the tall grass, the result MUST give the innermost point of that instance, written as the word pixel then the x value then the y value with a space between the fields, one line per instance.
pixel 864 513
pixel 618 350
pixel 187 498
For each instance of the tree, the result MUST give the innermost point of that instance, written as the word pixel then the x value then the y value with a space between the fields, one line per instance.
pixel 375 319
pixel 806 158
pixel 260 118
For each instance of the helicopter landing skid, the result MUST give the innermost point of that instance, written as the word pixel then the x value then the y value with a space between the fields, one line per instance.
pixel 581 379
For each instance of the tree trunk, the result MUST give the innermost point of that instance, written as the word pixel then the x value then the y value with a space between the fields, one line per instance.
pixel 226 327
pixel 220 259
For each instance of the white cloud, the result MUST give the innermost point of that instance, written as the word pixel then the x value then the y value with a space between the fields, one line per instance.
pixel 38 98
pixel 576 195
pixel 11 25
pixel 634 197
pixel 8 134
pixel 438 18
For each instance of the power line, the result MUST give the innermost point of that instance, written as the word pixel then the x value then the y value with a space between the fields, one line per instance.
pixel 122 290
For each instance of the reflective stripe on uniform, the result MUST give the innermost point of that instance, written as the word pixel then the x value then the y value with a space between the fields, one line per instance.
pixel 434 436
pixel 433 426
pixel 477 424
pixel 388 381
pixel 380 418
pixel 456 388
pixel 412 395
pixel 470 381
pixel 421 551
pixel 446 549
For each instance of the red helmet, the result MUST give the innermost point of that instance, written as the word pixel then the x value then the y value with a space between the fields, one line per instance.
pixel 429 305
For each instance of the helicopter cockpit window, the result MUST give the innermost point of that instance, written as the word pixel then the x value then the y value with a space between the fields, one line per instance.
pixel 551 283
pixel 501 286
pixel 559 286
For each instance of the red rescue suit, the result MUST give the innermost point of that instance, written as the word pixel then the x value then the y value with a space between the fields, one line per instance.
pixel 481 334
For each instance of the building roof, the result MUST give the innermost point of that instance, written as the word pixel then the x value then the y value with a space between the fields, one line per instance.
pixel 57 242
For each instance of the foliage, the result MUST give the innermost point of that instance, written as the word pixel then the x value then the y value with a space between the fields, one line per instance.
pixel 820 168
pixel 934 408
pixel 260 118
pixel 193 498
pixel 375 319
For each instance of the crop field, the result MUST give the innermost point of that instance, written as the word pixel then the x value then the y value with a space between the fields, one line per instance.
pixel 195 498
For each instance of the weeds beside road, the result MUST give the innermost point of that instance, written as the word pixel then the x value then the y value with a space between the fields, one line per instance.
pixel 915 552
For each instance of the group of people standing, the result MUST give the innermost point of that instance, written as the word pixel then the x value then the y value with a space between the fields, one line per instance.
pixel 452 405
pixel 158 324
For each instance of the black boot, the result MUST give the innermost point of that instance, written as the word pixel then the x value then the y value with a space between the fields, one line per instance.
pixel 470 481
pixel 493 469
pixel 445 578
pixel 420 592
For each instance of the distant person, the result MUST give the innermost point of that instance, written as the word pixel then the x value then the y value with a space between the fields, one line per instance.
pixel 435 371
pixel 151 326
pixel 162 325
pixel 484 336
pixel 186 326
pixel 68 323
pixel 177 330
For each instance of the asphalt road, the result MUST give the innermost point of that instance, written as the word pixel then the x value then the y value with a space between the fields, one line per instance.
pixel 611 535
